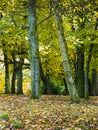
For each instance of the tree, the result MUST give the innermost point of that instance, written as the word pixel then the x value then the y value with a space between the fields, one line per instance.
pixel 86 94
pixel 64 52
pixel 46 81
pixel 80 70
pixel 19 76
pixel 14 73
pixel 12 33
pixel 82 15
pixel 94 90
pixel 34 52
pixel 7 77
pixel 17 73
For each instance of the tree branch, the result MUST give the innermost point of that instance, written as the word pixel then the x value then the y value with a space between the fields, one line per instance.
pixel 45 19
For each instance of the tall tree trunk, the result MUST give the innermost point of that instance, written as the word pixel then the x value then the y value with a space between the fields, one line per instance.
pixel 46 81
pixel 94 82
pixel 7 77
pixel 86 91
pixel 34 52
pixel 94 86
pixel 19 80
pixel 80 71
pixel 64 52
pixel 13 81
pixel 48 84
pixel 65 85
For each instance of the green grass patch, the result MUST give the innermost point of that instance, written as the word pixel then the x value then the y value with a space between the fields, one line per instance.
pixel 4 116
pixel 17 124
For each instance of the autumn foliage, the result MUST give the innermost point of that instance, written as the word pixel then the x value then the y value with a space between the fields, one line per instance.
pixel 47 113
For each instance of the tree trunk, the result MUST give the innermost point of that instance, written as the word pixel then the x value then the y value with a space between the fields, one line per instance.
pixel 13 81
pixel 19 80
pixel 7 77
pixel 14 73
pixel 48 85
pixel 94 82
pixel 86 91
pixel 97 83
pixel 46 81
pixel 34 52
pixel 64 52
pixel 80 71
pixel 65 85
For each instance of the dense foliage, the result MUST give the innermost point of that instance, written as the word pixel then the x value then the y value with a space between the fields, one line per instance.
pixel 80 26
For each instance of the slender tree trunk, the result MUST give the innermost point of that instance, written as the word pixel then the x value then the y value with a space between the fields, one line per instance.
pixel 7 77
pixel 46 81
pixel 19 80
pixel 48 85
pixel 80 71
pixel 43 78
pixel 76 69
pixel 34 52
pixel 95 90
pixel 86 92
pixel 64 52
pixel 65 85
pixel 94 82
pixel 13 81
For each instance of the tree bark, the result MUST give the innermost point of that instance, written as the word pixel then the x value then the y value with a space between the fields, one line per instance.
pixel 13 81
pixel 64 52
pixel 7 77
pixel 80 70
pixel 19 77
pixel 46 81
pixel 19 81
pixel 34 52
pixel 86 90
pixel 94 86
pixel 94 82
pixel 65 85
pixel 48 85
pixel 14 73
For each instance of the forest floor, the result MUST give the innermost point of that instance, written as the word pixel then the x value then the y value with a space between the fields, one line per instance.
pixel 19 112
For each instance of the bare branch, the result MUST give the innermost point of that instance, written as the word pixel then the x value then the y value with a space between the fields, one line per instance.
pixel 45 19
pixel 26 27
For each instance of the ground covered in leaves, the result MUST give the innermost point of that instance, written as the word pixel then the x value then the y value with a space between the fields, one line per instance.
pixel 47 113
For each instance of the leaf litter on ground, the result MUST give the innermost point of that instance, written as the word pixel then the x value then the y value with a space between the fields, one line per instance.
pixel 50 112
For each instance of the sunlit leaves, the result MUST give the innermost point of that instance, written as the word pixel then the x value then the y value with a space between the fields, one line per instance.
pixel 11 31
pixel 14 26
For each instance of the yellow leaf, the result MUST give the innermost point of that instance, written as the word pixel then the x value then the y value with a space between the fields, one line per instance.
pixel 43 121
pixel 28 121
pixel 94 119
pixel 79 119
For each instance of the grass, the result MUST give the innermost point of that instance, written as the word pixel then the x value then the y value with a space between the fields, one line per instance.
pixel 4 116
